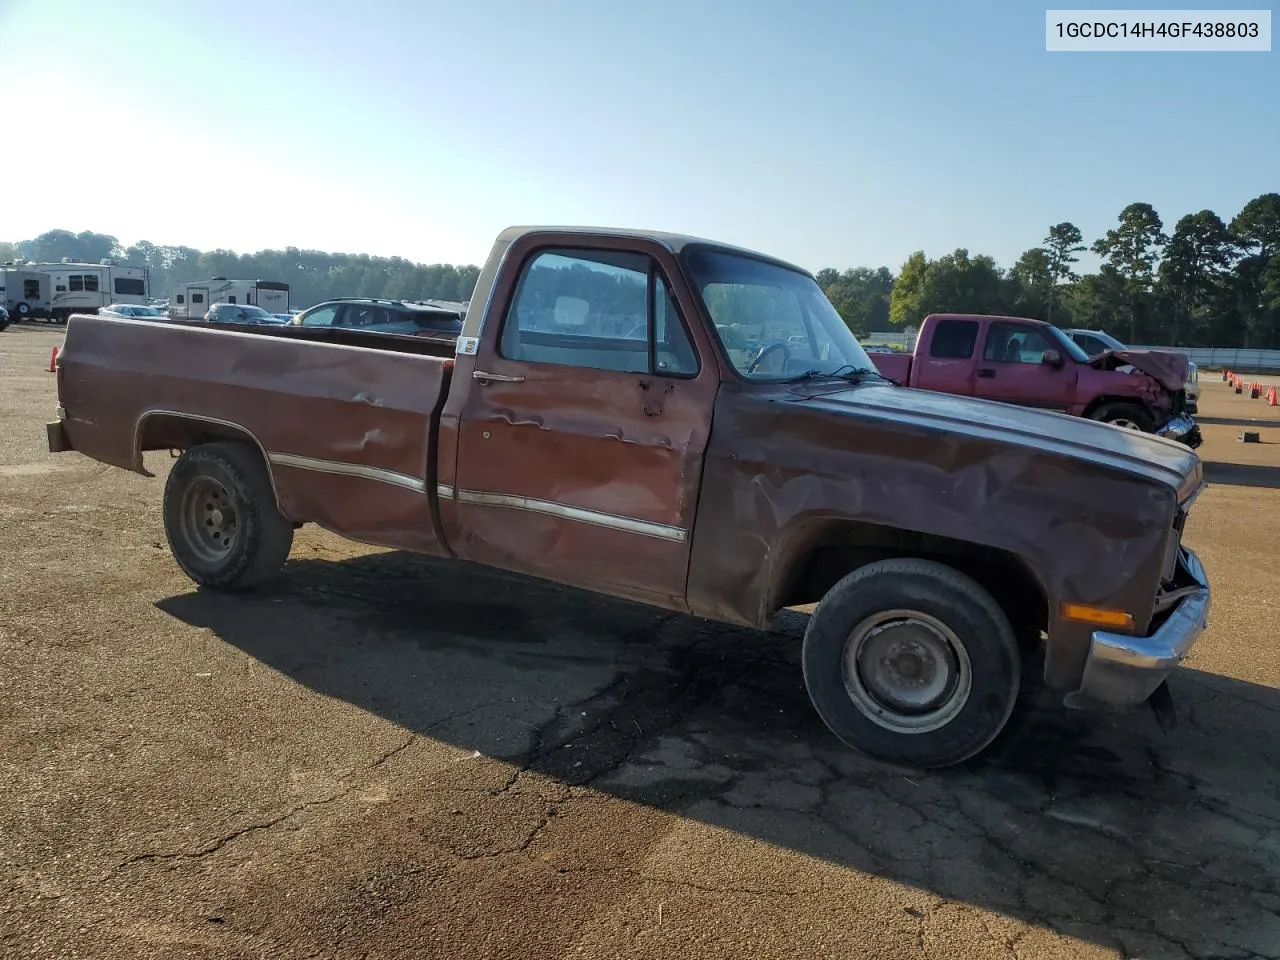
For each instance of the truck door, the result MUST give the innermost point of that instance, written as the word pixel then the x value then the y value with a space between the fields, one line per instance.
pixel 1012 368
pixel 579 443
pixel 946 363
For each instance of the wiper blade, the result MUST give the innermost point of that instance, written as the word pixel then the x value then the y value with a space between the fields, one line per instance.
pixel 849 373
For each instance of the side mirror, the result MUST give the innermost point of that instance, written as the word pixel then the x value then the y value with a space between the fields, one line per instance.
pixel 1052 357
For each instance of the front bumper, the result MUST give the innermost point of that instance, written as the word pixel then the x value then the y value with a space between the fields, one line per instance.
pixel 1183 429
pixel 1123 670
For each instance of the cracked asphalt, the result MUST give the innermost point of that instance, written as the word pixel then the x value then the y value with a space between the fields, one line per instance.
pixel 387 756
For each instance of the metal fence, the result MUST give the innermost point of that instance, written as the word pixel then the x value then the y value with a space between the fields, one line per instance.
pixel 1229 358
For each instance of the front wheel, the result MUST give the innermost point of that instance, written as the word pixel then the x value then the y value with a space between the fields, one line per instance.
pixel 1129 416
pixel 221 519
pixel 912 662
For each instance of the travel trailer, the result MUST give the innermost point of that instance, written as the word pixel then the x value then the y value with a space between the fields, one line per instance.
pixel 24 292
pixel 87 287
pixel 192 300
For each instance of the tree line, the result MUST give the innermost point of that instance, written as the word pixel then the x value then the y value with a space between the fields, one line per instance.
pixel 312 275
pixel 1207 283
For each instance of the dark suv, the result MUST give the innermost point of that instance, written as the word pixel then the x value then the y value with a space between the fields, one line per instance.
pixel 241 313
pixel 437 320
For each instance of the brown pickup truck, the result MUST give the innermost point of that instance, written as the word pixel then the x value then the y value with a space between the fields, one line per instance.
pixel 597 424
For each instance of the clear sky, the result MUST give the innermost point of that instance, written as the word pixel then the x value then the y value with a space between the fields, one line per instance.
pixel 829 132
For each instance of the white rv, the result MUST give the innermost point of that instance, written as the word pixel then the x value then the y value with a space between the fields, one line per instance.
pixel 192 300
pixel 24 291
pixel 87 287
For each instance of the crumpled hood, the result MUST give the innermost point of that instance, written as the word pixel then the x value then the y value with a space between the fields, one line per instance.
pixel 1170 370
pixel 1101 444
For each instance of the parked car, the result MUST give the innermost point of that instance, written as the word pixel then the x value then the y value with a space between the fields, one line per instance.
pixel 946 540
pixel 131 311
pixel 407 318
pixel 1032 363
pixel 241 313
pixel 1094 342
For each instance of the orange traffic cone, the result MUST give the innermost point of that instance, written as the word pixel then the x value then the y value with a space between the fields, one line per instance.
pixel 1271 400
pixel 53 361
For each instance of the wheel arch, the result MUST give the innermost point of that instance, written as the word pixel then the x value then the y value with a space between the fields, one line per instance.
pixel 1097 403
pixel 820 552
pixel 173 430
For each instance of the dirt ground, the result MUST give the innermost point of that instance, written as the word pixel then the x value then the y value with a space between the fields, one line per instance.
pixel 382 756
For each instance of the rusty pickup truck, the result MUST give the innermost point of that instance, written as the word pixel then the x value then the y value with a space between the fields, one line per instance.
pixel 599 423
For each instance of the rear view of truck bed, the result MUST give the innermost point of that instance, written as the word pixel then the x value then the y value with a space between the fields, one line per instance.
pixel 347 431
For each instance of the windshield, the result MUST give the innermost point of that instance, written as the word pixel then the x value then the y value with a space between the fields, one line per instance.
pixel 774 323
pixel 1069 346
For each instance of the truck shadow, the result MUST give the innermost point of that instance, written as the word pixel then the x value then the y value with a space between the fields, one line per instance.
pixel 1097 826
pixel 1242 474
pixel 1239 421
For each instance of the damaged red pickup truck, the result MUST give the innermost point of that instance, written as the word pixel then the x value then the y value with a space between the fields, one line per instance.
pixel 1032 363
pixel 596 426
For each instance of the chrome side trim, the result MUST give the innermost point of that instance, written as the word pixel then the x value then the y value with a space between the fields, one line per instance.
pixel 551 508
pixel 348 469
pixel 444 491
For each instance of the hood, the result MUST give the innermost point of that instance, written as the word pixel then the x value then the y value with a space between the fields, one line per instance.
pixel 1164 461
pixel 1170 370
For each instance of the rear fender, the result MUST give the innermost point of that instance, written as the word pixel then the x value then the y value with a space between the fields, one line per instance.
pixel 171 430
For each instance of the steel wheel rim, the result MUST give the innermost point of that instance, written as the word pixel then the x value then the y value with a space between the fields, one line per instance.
pixel 208 520
pixel 1125 424
pixel 906 671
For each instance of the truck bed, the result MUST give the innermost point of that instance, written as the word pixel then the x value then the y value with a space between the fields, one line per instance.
pixel 348 430
pixel 896 366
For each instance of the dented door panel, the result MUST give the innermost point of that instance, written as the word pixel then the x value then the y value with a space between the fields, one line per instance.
pixel 586 476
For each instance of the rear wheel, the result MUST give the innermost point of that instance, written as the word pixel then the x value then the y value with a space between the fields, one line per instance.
pixel 912 662
pixel 1129 416
pixel 221 519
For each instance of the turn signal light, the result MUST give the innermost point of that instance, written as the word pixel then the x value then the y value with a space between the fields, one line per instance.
pixel 1101 616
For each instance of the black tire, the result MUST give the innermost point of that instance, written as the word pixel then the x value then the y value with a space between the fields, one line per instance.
pixel 963 724
pixel 234 555
pixel 1131 416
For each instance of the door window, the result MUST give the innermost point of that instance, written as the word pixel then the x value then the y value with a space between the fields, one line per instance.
pixel 1011 343
pixel 607 310
pixel 954 339
pixel 320 317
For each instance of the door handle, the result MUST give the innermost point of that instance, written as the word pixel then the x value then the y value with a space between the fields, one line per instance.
pixel 499 377
pixel 986 373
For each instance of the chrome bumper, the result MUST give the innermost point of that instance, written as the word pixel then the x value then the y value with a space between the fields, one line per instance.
pixel 1123 670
